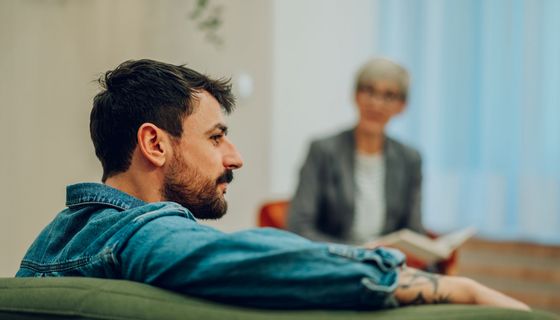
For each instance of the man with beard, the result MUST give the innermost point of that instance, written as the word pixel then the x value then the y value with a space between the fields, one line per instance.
pixel 159 132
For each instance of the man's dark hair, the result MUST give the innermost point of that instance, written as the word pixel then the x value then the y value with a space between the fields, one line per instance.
pixel 141 91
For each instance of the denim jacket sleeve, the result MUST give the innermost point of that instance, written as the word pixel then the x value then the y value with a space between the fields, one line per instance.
pixel 265 268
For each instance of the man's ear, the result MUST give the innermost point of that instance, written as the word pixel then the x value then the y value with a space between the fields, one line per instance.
pixel 153 144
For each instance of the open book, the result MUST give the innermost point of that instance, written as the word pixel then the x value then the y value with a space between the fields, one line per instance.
pixel 427 249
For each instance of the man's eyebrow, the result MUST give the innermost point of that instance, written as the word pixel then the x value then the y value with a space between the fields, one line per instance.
pixel 220 126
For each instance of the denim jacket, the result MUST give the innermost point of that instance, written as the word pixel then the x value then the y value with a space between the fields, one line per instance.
pixel 106 233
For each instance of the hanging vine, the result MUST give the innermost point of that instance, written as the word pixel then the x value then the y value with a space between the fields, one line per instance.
pixel 208 19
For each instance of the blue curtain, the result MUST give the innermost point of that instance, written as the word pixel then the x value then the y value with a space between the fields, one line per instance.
pixel 484 110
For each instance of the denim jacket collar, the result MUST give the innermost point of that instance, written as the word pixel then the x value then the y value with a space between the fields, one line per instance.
pixel 96 193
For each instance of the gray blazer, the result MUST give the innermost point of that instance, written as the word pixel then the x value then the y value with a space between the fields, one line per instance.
pixel 323 206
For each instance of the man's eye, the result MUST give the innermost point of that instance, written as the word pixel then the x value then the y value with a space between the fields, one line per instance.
pixel 216 138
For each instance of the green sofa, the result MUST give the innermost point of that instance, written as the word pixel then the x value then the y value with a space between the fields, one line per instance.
pixel 89 298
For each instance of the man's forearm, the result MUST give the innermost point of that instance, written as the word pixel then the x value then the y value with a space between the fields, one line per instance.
pixel 418 287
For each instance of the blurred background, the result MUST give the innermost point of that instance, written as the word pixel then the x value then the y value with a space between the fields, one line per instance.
pixel 484 108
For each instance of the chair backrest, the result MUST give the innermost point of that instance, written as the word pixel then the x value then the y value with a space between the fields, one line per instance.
pixel 91 298
pixel 274 214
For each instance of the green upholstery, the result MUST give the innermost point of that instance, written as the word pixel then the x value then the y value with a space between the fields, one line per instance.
pixel 88 298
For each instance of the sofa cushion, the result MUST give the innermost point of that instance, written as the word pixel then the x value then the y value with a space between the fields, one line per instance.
pixel 89 298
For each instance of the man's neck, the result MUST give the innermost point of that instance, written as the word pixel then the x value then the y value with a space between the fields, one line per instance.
pixel 138 187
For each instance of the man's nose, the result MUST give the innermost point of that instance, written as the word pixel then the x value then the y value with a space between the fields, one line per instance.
pixel 232 158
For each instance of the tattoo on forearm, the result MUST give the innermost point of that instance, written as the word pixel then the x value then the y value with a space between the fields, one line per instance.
pixel 421 300
pixel 418 279
pixel 418 300
pixel 442 299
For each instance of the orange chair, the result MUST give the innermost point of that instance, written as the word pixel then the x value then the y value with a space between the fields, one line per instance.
pixel 274 213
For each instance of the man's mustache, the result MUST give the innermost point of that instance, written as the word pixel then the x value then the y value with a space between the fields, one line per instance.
pixel 226 177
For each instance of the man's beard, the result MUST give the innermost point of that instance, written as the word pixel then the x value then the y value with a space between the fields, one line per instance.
pixel 187 187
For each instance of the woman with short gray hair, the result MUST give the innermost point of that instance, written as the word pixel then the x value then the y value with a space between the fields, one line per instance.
pixel 360 184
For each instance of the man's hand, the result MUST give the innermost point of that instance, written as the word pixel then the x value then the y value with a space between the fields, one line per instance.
pixel 418 287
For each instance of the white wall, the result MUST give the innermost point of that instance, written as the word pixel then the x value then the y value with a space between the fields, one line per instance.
pixel 318 47
pixel 50 51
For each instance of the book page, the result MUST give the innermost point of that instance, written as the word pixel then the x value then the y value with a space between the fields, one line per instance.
pixel 454 239
pixel 423 247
